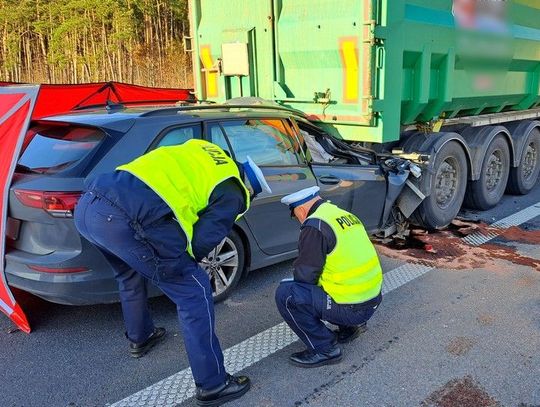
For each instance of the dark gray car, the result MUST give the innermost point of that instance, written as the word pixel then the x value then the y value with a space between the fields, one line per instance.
pixel 47 257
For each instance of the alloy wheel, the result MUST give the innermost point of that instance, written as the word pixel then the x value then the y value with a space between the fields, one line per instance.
pixel 221 264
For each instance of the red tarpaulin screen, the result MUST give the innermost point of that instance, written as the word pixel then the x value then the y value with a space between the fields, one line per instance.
pixel 20 103
pixel 54 99
pixel 16 106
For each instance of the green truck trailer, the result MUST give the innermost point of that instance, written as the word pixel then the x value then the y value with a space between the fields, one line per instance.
pixel 451 85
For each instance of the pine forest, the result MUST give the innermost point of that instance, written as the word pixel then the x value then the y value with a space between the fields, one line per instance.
pixel 78 41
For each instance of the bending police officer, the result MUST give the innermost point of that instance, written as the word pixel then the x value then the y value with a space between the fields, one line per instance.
pixel 155 219
pixel 337 278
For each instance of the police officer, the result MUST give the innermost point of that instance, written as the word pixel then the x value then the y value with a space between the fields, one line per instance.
pixel 155 218
pixel 337 278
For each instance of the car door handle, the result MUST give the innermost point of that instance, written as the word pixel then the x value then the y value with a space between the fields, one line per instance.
pixel 329 180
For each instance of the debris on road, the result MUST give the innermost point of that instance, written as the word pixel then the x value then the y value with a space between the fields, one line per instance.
pixel 517 234
pixel 485 319
pixel 463 392
pixel 460 346
pixel 446 249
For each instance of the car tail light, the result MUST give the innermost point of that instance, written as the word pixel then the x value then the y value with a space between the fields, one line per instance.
pixel 58 204
pixel 59 270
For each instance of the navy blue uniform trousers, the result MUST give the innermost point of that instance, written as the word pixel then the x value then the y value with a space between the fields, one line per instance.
pixel 136 259
pixel 305 306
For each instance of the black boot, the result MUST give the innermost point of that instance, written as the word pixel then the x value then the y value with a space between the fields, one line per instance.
pixel 309 358
pixel 233 388
pixel 347 334
pixel 139 349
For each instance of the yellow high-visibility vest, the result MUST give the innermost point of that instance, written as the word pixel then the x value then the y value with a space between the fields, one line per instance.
pixel 352 273
pixel 184 176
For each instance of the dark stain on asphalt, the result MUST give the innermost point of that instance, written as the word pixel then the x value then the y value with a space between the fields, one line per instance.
pixel 447 250
pixel 464 392
pixel 527 281
pixel 460 345
pixel 510 254
pixel 336 378
pixel 517 234
pixel 485 319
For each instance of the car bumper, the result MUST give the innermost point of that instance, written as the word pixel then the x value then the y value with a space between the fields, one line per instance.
pixel 94 286
pixel 82 288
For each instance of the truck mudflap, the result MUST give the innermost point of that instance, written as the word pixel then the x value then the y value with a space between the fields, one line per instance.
pixel 16 106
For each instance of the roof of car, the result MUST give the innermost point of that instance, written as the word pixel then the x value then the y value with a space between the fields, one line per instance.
pixel 103 116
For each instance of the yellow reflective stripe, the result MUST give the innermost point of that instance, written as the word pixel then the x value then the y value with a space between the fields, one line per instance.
pixel 365 271
pixel 349 55
pixel 374 277
pixel 353 286
pixel 211 77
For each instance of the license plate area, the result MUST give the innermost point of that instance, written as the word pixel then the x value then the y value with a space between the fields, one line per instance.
pixel 13 227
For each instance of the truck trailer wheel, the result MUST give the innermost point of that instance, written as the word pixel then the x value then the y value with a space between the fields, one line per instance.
pixel 523 177
pixel 487 191
pixel 448 184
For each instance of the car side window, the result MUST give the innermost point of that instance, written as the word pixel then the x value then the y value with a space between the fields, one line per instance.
pixel 179 135
pixel 217 137
pixel 266 141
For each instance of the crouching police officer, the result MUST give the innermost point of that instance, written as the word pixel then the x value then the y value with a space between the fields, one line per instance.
pixel 337 278
pixel 155 218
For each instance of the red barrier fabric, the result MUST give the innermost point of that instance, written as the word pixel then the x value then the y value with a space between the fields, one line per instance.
pixel 19 104
pixel 8 101
pixel 15 110
pixel 55 99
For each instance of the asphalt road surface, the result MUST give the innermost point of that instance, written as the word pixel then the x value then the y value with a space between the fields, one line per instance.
pixel 464 331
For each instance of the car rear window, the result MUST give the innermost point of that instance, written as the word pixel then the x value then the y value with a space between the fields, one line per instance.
pixel 55 148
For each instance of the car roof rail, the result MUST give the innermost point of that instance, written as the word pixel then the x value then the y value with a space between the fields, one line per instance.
pixel 130 104
pixel 111 106
pixel 220 107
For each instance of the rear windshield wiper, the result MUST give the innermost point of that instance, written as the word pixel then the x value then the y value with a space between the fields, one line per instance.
pixel 59 167
pixel 25 168
pixel 44 170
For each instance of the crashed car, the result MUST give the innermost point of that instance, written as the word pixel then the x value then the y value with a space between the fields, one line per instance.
pixel 47 257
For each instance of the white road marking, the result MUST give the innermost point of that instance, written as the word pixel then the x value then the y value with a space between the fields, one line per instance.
pixel 179 387
pixel 518 218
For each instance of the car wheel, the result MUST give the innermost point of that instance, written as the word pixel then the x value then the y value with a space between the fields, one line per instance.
pixel 523 177
pixel 487 191
pixel 448 185
pixel 225 266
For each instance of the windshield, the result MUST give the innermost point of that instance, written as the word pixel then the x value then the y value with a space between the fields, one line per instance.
pixel 55 148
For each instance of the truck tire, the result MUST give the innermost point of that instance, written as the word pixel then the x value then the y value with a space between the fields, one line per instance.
pixel 523 178
pixel 448 184
pixel 486 192
pixel 225 266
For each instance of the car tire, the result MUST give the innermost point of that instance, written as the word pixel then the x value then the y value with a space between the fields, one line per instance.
pixel 523 178
pixel 225 266
pixel 448 184
pixel 487 191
